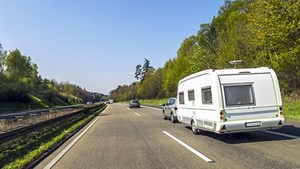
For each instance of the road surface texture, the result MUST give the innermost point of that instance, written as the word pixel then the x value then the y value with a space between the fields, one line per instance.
pixel 140 138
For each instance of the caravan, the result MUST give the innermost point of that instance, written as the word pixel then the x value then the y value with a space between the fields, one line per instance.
pixel 230 100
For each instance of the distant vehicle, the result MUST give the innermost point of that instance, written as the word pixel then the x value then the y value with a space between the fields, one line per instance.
pixel 110 101
pixel 170 110
pixel 134 103
pixel 230 100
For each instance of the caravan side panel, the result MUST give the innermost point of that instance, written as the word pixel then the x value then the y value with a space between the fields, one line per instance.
pixel 198 100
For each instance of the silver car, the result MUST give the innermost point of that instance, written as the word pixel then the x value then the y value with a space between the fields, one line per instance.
pixel 134 103
pixel 170 110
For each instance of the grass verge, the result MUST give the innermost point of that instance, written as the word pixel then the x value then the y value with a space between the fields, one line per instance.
pixel 291 107
pixel 21 152
pixel 154 101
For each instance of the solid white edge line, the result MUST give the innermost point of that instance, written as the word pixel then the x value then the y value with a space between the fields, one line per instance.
pixel 66 149
pixel 282 134
pixel 189 148
pixel 137 114
pixel 151 107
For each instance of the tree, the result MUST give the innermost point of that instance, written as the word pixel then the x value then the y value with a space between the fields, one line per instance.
pixel 20 69
pixel 259 32
pixel 138 72
pixel 1 63
pixel 207 38
pixel 276 29
pixel 145 69
pixel 18 78
pixel 1 49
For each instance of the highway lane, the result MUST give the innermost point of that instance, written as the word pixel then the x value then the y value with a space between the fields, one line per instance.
pixel 136 138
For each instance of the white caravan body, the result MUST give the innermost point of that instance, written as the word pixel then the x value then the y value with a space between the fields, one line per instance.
pixel 230 100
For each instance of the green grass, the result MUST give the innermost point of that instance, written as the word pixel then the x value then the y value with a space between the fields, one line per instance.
pixel 291 107
pixel 22 154
pixel 154 101
pixel 36 103
pixel 14 106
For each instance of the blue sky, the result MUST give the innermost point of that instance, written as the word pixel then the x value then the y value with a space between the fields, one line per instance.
pixel 96 44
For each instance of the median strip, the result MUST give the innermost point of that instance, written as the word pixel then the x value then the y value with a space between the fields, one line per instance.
pixel 197 153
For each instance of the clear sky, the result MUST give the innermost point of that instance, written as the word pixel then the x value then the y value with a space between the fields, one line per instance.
pixel 96 44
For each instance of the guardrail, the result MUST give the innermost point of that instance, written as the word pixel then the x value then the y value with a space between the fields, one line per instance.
pixel 4 137
pixel 38 130
pixel 33 112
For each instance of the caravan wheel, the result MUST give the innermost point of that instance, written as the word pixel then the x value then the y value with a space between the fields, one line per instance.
pixel 194 128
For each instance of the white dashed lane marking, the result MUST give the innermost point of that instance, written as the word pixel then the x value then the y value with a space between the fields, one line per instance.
pixel 197 153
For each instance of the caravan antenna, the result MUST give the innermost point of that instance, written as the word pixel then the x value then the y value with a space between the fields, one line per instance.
pixel 235 62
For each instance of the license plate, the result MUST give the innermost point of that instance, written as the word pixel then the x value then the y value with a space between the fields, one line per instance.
pixel 253 124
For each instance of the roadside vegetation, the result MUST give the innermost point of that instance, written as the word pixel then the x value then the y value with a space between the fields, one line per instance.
pixel 20 152
pixel 21 87
pixel 154 102
pixel 291 107
pixel 262 33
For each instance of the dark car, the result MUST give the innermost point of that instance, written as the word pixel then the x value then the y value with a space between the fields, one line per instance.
pixel 134 103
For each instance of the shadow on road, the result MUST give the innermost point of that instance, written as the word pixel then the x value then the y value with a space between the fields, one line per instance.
pixel 255 136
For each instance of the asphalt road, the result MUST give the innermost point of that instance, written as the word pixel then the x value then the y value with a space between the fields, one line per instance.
pixel 140 138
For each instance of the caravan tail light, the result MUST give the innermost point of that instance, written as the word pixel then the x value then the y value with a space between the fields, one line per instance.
pixel 280 110
pixel 222 117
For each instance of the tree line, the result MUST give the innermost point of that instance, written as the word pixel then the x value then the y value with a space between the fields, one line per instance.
pixel 262 33
pixel 20 82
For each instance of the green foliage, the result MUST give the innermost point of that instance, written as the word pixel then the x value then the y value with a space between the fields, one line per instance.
pixel 153 101
pixel 291 109
pixel 259 32
pixel 276 29
pixel 21 84
pixel 141 72
pixel 291 106
pixel 138 72
pixel 19 153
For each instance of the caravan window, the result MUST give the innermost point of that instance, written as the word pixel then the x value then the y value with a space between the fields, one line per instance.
pixel 239 95
pixel 191 95
pixel 206 95
pixel 181 98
